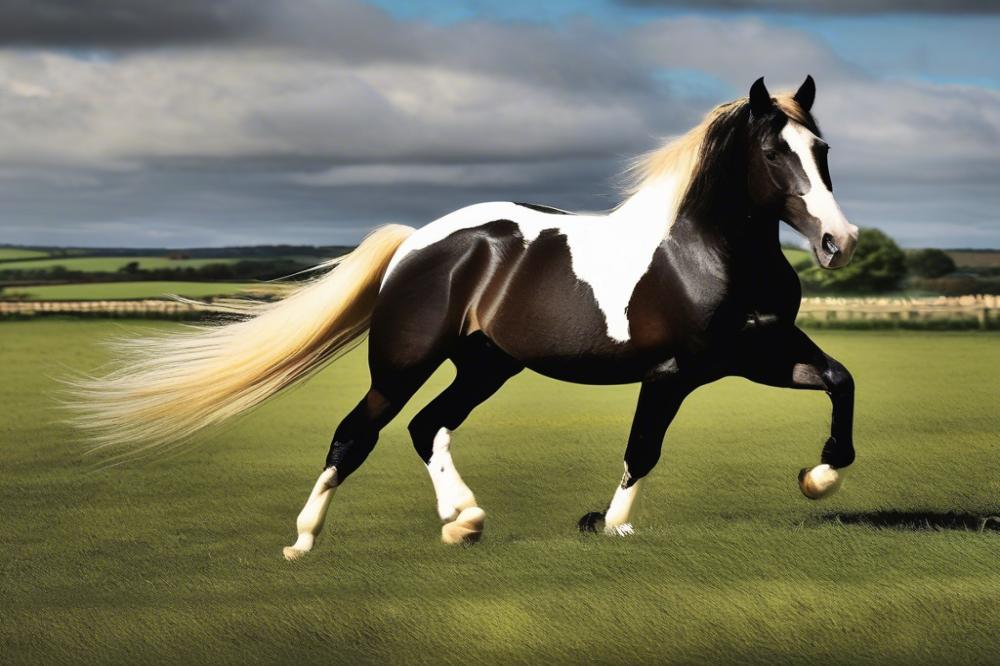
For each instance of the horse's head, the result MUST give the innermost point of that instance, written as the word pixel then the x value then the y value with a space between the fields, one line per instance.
pixel 789 174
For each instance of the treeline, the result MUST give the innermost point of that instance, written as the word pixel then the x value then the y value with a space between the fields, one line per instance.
pixel 228 252
pixel 880 266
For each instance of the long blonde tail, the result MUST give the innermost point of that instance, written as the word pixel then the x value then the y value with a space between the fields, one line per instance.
pixel 165 388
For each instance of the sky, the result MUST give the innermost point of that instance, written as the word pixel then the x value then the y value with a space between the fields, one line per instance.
pixel 143 123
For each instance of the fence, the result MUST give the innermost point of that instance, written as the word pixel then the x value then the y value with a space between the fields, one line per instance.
pixel 978 311
pixel 145 308
pixel 944 312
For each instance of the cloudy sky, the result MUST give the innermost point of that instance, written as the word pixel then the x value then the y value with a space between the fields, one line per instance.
pixel 215 122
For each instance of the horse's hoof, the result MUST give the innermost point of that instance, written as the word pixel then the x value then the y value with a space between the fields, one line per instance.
pixel 466 528
pixel 292 553
pixel 299 549
pixel 625 529
pixel 592 522
pixel 819 481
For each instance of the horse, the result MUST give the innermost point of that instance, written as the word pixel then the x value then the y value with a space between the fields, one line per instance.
pixel 681 284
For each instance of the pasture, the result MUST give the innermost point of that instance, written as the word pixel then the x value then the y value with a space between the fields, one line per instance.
pixel 17 253
pixel 126 290
pixel 975 258
pixel 799 259
pixel 178 559
pixel 110 264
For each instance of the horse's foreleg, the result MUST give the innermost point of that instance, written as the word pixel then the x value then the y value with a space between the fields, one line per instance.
pixel 788 358
pixel 658 404
pixel 482 369
pixel 838 452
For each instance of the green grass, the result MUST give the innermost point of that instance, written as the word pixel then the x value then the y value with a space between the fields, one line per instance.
pixel 799 259
pixel 14 253
pixel 120 290
pixel 110 264
pixel 178 559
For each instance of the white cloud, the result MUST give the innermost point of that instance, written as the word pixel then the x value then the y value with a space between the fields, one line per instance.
pixel 340 96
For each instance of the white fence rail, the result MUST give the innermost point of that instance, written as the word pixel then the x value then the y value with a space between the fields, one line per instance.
pixel 980 308
pixel 983 310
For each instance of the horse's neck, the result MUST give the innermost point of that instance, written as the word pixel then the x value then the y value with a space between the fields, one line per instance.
pixel 719 230
pixel 654 203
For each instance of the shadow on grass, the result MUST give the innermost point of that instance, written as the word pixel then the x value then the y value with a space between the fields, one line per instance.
pixel 917 520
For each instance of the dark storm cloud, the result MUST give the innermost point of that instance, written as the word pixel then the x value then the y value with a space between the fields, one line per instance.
pixel 833 6
pixel 220 202
pixel 312 121
pixel 128 23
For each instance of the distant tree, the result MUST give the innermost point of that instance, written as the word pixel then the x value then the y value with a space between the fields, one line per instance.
pixel 878 265
pixel 216 272
pixel 131 268
pixel 930 263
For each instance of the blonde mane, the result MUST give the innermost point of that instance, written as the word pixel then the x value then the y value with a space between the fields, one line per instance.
pixel 679 158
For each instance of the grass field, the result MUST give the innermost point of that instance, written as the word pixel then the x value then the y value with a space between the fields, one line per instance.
pixel 15 253
pixel 798 258
pixel 119 290
pixel 110 264
pixel 975 258
pixel 177 560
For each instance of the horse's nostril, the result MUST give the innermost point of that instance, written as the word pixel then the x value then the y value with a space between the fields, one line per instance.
pixel 829 246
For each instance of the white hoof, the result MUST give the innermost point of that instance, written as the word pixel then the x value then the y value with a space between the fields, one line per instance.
pixel 820 481
pixel 466 528
pixel 292 553
pixel 625 529
pixel 302 546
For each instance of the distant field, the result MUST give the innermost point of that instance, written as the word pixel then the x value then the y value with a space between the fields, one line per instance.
pixel 116 290
pixel 975 258
pixel 178 560
pixel 797 257
pixel 17 253
pixel 111 264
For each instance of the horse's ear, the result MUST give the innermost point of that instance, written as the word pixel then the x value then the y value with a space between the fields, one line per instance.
pixel 806 94
pixel 760 99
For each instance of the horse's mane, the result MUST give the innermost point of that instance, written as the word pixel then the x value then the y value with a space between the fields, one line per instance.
pixel 681 158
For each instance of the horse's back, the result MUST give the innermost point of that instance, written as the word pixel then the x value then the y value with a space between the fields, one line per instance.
pixel 550 288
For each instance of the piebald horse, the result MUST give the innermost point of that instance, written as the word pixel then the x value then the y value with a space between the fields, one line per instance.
pixel 680 285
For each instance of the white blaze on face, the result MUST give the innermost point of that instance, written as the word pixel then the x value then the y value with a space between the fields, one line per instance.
pixel 819 200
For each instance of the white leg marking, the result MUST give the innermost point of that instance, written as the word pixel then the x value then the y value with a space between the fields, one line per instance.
pixel 310 520
pixel 820 481
pixel 452 494
pixel 616 520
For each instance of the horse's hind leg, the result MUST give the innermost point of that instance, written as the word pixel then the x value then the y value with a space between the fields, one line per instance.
pixel 482 368
pixel 353 440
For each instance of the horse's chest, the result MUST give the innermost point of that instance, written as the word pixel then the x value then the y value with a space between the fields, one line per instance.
pixel 770 295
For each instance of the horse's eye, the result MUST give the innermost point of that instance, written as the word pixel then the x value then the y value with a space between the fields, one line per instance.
pixel 771 155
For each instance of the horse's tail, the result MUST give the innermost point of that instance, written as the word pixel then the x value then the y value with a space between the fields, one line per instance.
pixel 165 388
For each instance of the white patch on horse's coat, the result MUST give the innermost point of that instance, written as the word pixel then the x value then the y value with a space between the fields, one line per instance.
pixel 616 519
pixel 608 252
pixel 819 200
pixel 452 494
